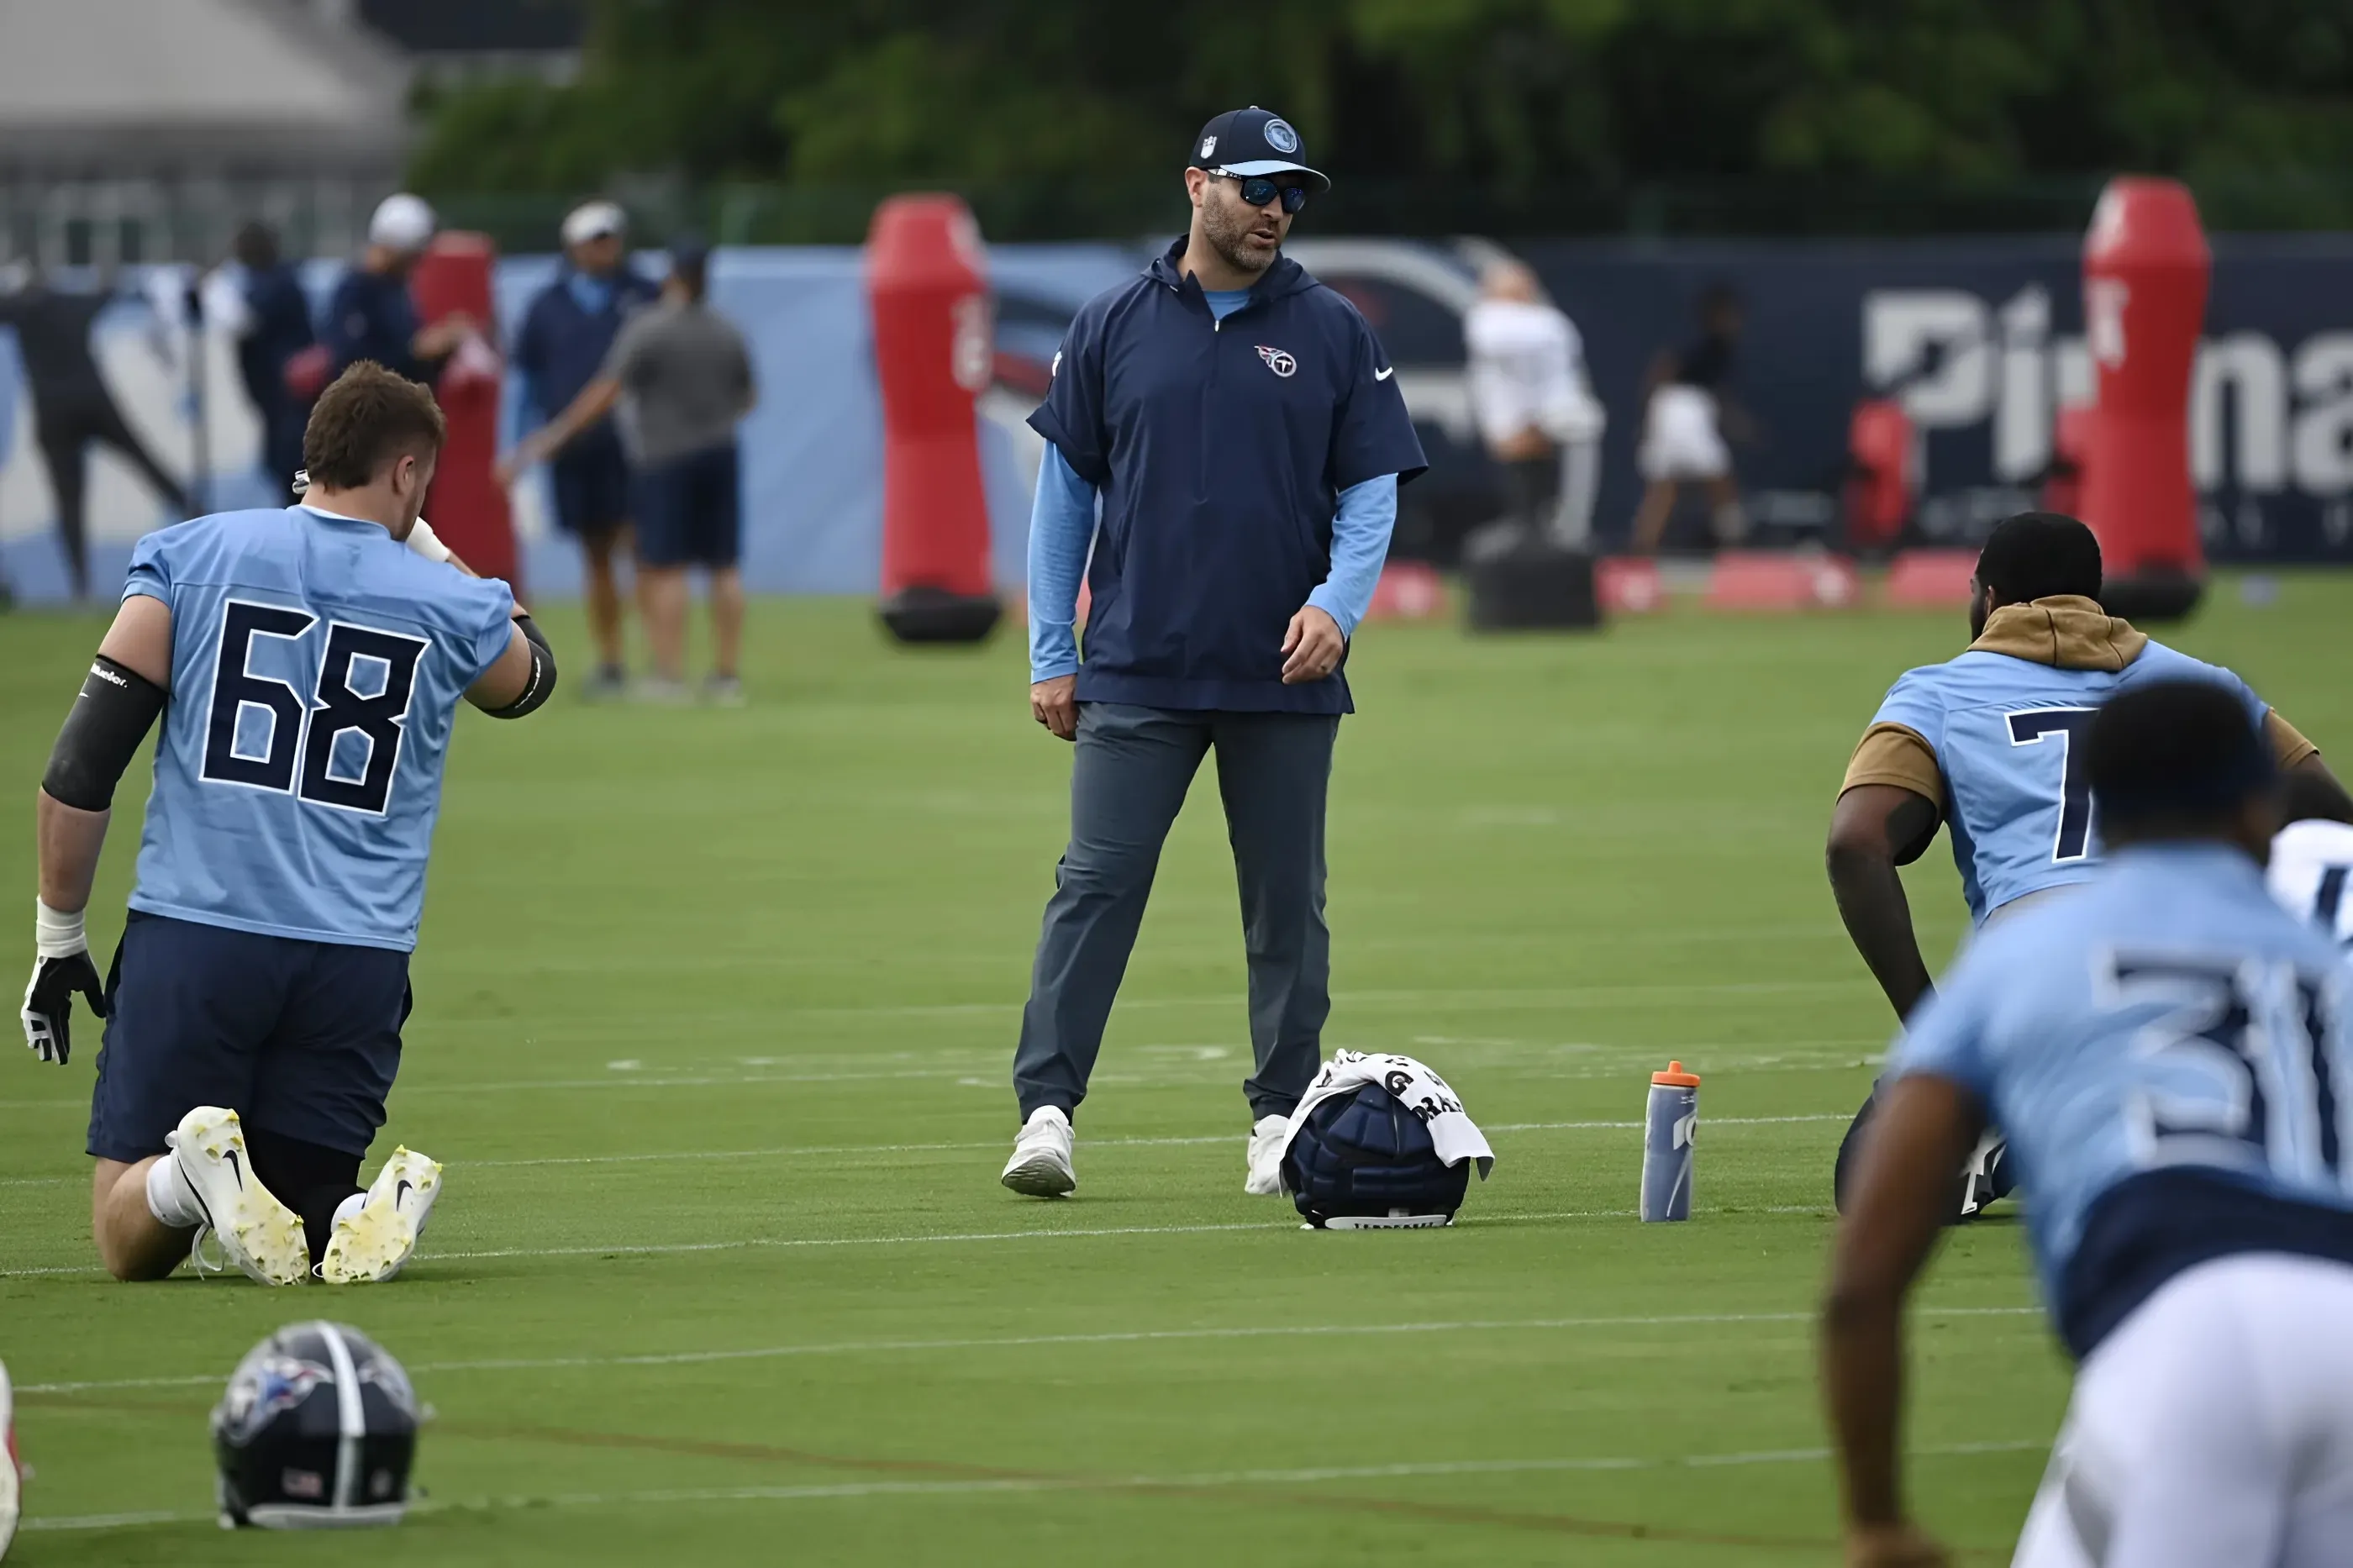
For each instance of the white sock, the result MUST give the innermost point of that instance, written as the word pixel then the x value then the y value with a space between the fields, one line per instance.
pixel 350 1207
pixel 170 1198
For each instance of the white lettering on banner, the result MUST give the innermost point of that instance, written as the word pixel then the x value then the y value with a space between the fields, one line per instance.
pixel 2021 427
pixel 2248 365
pixel 2071 373
pixel 2324 429
pixel 1902 327
pixel 2260 419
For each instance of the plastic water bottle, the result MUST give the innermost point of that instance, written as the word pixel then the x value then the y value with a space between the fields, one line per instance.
pixel 1668 1131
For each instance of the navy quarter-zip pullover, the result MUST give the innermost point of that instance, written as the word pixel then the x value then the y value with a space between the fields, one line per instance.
pixel 1219 448
pixel 562 343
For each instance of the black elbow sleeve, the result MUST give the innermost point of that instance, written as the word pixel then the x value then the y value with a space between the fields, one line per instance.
pixel 115 710
pixel 542 685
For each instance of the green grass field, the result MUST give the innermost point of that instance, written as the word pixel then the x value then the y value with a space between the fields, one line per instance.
pixel 713 1026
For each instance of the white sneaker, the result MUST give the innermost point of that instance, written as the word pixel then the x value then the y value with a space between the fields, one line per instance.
pixel 1041 1166
pixel 12 1474
pixel 375 1243
pixel 1265 1178
pixel 256 1233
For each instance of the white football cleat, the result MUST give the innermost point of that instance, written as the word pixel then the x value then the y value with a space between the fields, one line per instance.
pixel 1041 1166
pixel 12 1475
pixel 375 1243
pixel 1266 1139
pixel 256 1233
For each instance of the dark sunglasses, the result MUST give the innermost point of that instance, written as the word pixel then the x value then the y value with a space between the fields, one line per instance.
pixel 1258 190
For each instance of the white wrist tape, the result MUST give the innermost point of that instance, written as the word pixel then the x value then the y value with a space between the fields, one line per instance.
pixel 426 543
pixel 57 934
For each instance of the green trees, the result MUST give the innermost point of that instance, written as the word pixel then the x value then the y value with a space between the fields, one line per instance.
pixel 1500 96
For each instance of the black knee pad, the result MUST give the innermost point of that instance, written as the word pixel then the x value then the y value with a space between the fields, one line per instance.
pixel 309 1178
pixel 1965 1204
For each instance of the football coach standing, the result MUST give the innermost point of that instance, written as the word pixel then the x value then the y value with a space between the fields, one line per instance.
pixel 1226 434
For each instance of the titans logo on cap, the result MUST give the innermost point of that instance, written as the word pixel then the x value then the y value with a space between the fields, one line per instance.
pixel 1279 136
pixel 1209 145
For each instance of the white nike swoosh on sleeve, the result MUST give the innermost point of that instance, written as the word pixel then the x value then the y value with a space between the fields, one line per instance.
pixel 1384 374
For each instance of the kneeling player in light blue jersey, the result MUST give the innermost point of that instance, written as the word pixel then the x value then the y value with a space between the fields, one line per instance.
pixel 1990 743
pixel 2168 1050
pixel 313 658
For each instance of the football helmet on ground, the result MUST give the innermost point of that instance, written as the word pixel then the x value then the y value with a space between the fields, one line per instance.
pixel 1365 1161
pixel 317 1429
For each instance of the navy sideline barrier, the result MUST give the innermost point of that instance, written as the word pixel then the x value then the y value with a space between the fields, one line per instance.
pixel 1984 337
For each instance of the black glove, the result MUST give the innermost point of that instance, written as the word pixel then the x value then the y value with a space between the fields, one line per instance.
pixel 49 1002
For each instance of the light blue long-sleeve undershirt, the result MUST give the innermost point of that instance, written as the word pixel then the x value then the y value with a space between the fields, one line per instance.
pixel 1063 525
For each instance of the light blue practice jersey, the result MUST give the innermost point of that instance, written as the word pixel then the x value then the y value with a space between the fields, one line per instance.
pixel 2168 1018
pixel 317 665
pixel 2006 732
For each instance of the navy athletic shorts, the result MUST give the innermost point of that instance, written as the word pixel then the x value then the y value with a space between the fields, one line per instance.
pixel 689 510
pixel 300 1038
pixel 591 481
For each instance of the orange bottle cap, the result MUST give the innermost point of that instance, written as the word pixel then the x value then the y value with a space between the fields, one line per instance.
pixel 1675 1076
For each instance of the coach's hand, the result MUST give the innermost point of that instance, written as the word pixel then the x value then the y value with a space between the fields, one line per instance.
pixel 1055 704
pixel 49 1002
pixel 1312 648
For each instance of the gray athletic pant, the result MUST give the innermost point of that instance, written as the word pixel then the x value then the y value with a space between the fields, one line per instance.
pixel 1127 782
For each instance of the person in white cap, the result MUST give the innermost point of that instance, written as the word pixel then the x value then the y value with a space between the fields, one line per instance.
pixel 371 315
pixel 562 343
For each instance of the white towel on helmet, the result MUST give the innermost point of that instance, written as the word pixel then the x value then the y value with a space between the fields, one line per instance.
pixel 1412 1084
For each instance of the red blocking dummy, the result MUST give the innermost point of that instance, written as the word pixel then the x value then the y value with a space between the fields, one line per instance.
pixel 467 506
pixel 927 287
pixel 2145 265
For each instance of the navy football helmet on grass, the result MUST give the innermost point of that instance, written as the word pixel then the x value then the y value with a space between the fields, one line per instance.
pixel 1365 1161
pixel 318 1429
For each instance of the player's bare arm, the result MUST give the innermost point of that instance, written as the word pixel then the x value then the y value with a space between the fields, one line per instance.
pixel 440 338
pixel 596 401
pixel 120 699
pixel 1876 828
pixel 2322 792
pixel 1925 1131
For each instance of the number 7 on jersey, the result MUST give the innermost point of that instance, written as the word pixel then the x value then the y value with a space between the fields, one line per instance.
pixel 2036 726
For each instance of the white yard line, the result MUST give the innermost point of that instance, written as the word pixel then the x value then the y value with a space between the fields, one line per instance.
pixel 1011 1341
pixel 1175 1482
pixel 836 1150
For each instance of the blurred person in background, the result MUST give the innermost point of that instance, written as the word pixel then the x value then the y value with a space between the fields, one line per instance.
pixel 1687 412
pixel 73 407
pixel 680 374
pixel 566 338
pixel 371 315
pixel 1536 413
pixel 259 300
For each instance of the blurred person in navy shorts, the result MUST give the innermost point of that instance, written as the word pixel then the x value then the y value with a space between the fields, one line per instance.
pixel 565 337
pixel 680 375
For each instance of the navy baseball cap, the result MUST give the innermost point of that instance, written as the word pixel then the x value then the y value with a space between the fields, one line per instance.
pixel 1254 140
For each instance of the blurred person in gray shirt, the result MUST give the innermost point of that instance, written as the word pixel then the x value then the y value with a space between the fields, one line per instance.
pixel 680 375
